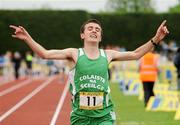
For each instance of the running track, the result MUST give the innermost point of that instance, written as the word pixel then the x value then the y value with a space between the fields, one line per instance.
pixel 35 101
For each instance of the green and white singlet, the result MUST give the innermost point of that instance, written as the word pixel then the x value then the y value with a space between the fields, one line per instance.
pixel 89 86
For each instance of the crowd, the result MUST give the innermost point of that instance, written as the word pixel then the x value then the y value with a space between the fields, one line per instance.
pixel 15 65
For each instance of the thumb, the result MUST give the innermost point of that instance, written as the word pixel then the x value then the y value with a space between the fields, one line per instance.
pixel 14 36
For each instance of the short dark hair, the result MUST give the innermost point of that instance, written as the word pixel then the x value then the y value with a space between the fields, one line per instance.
pixel 90 21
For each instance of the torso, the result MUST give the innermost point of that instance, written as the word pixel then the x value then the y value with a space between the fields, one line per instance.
pixel 89 85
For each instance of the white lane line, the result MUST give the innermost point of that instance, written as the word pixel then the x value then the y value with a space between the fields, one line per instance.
pixel 60 104
pixel 6 80
pixel 21 84
pixel 25 99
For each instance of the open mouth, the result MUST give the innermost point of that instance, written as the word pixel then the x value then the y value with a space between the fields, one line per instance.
pixel 93 36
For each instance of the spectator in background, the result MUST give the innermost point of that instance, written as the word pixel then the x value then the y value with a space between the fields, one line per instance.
pixel 164 48
pixel 62 66
pixel 1 64
pixel 172 47
pixel 53 69
pixel 148 70
pixel 29 59
pixel 17 63
pixel 7 67
pixel 177 64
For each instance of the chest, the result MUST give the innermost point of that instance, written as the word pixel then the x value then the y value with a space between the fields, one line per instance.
pixel 93 67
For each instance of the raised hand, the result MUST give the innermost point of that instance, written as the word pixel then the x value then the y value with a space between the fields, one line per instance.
pixel 162 31
pixel 20 33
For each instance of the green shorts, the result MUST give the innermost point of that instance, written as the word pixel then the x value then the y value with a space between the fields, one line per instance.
pixel 108 119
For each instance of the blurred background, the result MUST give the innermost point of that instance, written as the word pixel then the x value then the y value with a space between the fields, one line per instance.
pixel 126 24
pixel 69 15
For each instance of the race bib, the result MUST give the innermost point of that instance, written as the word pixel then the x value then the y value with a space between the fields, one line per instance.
pixel 91 100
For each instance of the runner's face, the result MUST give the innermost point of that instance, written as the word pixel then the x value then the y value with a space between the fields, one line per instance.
pixel 92 33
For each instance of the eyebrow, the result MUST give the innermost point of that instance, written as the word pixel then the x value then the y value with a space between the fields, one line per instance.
pixel 90 27
pixel 96 27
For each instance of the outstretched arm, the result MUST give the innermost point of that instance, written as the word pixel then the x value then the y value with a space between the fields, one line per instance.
pixel 22 34
pixel 162 31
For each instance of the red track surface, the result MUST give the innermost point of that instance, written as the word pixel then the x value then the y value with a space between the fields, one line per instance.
pixel 40 108
pixel 9 84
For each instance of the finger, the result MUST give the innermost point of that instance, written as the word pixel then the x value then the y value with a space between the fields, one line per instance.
pixel 14 36
pixel 165 30
pixel 163 23
pixel 18 30
pixel 12 26
pixel 23 29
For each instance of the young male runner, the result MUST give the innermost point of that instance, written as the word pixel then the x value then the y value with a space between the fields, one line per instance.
pixel 91 103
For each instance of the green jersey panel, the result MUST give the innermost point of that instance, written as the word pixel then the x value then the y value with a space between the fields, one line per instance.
pixel 89 86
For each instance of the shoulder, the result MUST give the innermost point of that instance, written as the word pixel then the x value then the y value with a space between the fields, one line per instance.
pixel 109 54
pixel 73 53
pixel 108 51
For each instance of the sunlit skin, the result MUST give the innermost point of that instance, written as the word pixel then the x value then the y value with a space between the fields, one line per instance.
pixel 91 37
